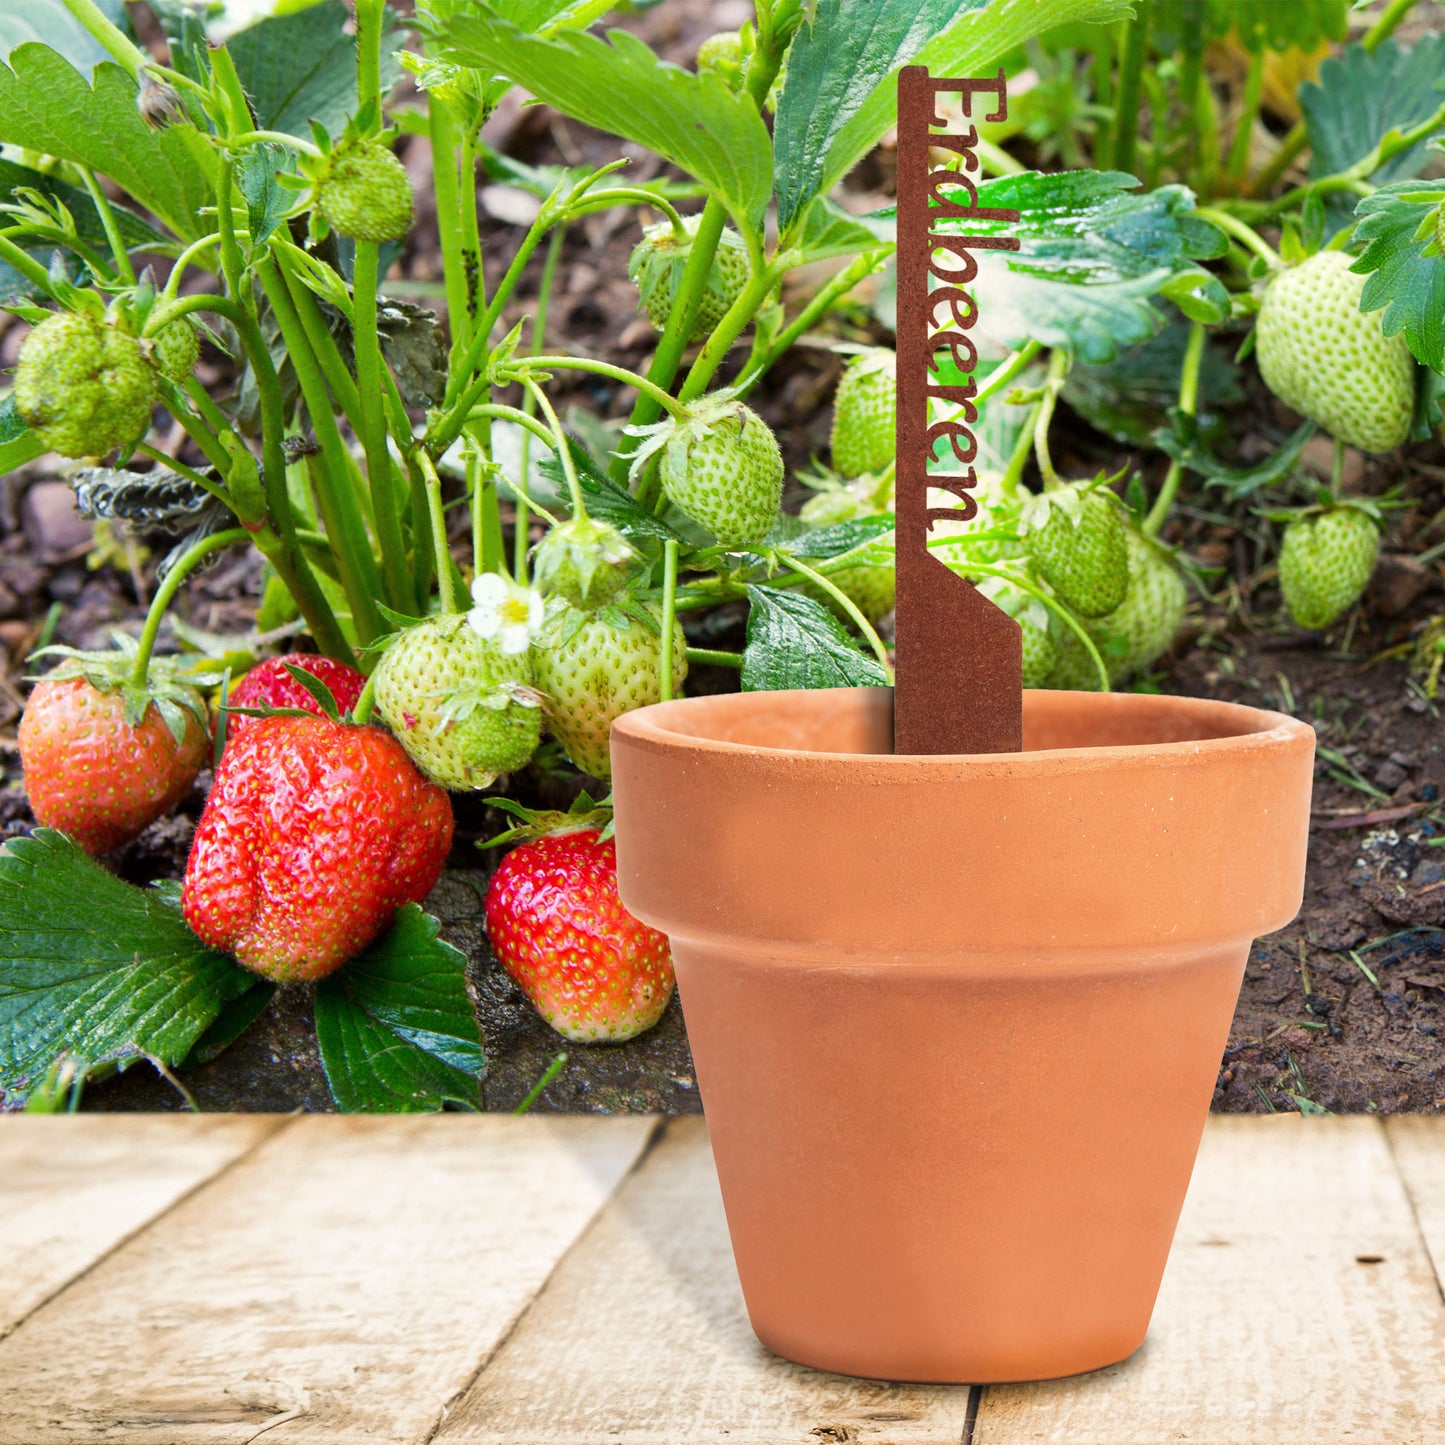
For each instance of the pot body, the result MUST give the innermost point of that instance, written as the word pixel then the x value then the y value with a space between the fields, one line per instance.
pixel 957 1021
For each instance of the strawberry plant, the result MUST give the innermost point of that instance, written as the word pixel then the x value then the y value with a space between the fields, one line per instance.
pixel 249 205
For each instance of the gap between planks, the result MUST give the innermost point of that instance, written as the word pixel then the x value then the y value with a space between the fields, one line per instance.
pixel 74 1189
pixel 339 1285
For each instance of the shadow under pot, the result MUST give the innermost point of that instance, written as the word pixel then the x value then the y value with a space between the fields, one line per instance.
pixel 957 1020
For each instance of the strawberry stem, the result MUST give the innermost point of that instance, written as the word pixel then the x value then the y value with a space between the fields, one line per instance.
pixel 361 713
pixel 1058 366
pixel 446 580
pixel 668 403
pixel 1242 233
pixel 669 618
pixel 1188 405
pixel 845 602
pixel 562 445
pixel 167 590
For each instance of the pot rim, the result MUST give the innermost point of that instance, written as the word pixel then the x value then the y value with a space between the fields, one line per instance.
pixel 1260 729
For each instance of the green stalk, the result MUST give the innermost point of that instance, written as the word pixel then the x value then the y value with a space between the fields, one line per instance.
pixel 108 224
pixel 1238 161
pixel 368 53
pixel 1104 95
pixel 1242 233
pixel 845 602
pixel 366 345
pixel 361 714
pixel 564 451
pixel 663 399
pixel 115 43
pixel 165 593
pixel 344 524
pixel 442 134
pixel 1058 366
pixel 446 574
pixel 669 618
pixel 26 264
pixel 821 303
pixel 709 657
pixel 717 346
pixel 666 360
pixel 1126 110
pixel 473 275
pixel 521 526
pixel 1188 405
pixel 1190 76
pixel 487 546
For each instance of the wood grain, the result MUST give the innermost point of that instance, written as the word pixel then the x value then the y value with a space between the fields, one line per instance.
pixel 641 1338
pixel 72 1188
pixel 1418 1144
pixel 339 1285
pixel 1299 1306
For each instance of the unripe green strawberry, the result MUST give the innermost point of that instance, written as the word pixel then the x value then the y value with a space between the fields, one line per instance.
pixel 365 193
pixel 1325 563
pixel 659 259
pixel 175 349
pixel 582 561
pixel 1039 652
pixel 1136 633
pixel 1076 539
pixel 595 666
pixel 865 413
pixel 723 55
pixel 1326 359
pixel 723 467
pixel 84 385
pixel 464 709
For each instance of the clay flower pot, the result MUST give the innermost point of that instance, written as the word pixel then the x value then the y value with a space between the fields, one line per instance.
pixel 957 1020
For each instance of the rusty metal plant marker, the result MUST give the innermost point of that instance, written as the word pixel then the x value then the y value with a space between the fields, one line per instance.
pixel 959 657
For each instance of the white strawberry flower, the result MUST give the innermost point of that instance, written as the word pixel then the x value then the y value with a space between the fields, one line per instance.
pixel 505 612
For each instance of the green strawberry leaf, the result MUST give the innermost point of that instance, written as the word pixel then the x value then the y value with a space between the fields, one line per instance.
pixel 395 1026
pixel 620 86
pixel 1404 279
pixel 232 1021
pixel 1130 397
pixel 1093 251
pixel 267 201
pixel 49 23
pixel 46 105
pixel 606 500
pixel 821 543
pixel 837 61
pixel 18 444
pixel 972 45
pixel 1359 99
pixel 301 67
pixel 117 978
pixel 828 231
pixel 136 233
pixel 793 641
pixel 1184 444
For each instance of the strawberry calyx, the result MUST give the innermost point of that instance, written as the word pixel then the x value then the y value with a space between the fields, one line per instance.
pixel 583 561
pixel 584 816
pixel 168 684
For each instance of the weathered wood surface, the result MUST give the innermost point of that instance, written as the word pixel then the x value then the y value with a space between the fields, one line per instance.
pixel 338 1285
pixel 641 1338
pixel 72 1189
pixel 499 1281
pixel 1299 1305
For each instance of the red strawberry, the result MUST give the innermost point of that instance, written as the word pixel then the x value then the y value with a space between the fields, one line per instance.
pixel 268 684
pixel 590 968
pixel 314 834
pixel 94 775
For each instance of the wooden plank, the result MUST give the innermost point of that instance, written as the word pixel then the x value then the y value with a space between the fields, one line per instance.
pixel 74 1187
pixel 641 1338
pixel 1418 1144
pixel 339 1285
pixel 1299 1305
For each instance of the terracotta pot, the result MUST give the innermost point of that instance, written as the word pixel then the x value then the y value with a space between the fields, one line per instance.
pixel 957 1020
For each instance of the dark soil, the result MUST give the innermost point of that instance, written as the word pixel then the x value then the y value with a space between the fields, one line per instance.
pixel 1340 1011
